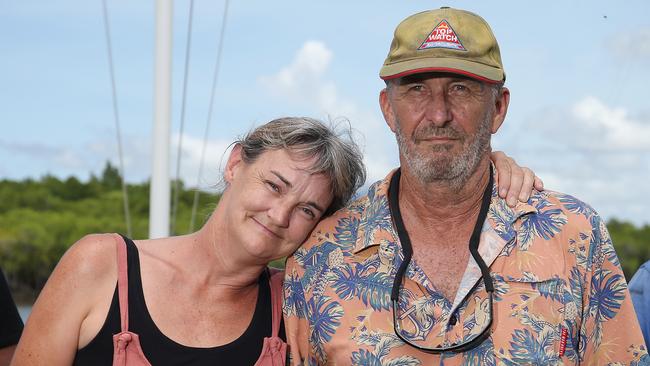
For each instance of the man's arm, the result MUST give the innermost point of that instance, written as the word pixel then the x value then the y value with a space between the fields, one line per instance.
pixel 610 331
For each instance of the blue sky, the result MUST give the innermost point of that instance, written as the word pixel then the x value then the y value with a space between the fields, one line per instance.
pixel 577 70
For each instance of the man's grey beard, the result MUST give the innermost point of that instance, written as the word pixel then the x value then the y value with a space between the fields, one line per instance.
pixel 453 170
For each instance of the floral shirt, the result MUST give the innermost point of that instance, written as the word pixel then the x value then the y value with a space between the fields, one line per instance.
pixel 560 295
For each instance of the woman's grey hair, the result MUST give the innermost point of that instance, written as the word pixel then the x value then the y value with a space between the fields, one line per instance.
pixel 337 155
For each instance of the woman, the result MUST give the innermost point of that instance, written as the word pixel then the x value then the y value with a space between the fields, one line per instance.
pixel 203 298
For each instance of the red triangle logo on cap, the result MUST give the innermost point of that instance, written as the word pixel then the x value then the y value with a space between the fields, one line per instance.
pixel 442 36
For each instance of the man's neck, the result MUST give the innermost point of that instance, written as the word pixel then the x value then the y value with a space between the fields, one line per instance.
pixel 442 202
pixel 439 219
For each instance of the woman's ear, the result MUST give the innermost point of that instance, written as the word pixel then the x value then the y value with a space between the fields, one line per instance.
pixel 234 163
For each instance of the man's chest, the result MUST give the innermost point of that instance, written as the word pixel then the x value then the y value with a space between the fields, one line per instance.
pixel 444 268
pixel 442 258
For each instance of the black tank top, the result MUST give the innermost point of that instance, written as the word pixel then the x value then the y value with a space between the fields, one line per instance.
pixel 158 348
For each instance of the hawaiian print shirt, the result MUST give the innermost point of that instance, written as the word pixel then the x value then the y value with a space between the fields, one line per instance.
pixel 560 295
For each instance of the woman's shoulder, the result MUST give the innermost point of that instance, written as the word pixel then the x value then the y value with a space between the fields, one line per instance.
pixel 73 303
pixel 94 255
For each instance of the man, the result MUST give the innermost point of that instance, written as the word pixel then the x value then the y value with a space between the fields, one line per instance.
pixel 470 280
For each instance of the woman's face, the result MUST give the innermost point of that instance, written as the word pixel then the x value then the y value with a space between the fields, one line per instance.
pixel 273 203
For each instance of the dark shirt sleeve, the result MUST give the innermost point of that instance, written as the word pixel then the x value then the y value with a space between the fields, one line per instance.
pixel 11 325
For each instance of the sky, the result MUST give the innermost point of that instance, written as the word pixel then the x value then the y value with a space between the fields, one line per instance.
pixel 578 72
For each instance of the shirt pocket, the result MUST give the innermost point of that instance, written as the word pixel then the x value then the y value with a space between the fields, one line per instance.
pixel 530 314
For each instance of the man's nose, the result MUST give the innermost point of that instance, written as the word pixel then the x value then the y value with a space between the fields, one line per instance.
pixel 437 109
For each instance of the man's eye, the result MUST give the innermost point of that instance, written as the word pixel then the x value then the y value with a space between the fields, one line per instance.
pixel 460 90
pixel 459 87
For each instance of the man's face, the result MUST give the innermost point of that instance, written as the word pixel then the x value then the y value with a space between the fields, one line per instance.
pixel 443 124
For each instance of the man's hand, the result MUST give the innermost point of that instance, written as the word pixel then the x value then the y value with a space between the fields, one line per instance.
pixel 515 182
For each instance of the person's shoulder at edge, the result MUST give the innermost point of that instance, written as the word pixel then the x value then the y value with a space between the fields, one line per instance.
pixel 644 270
pixel 640 290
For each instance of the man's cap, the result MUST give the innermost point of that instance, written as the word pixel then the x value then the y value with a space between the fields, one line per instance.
pixel 444 40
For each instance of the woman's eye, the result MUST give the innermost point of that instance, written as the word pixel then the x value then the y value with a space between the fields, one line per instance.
pixel 308 212
pixel 273 186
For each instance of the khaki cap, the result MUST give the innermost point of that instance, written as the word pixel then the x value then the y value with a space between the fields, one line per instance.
pixel 444 40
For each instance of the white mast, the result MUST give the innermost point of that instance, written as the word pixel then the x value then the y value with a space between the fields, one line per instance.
pixel 159 201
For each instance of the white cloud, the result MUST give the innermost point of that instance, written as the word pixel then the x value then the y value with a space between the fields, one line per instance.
pixel 589 149
pixel 216 155
pixel 616 131
pixel 304 81
pixel 297 80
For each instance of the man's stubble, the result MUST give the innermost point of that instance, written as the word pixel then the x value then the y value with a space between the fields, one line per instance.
pixel 447 168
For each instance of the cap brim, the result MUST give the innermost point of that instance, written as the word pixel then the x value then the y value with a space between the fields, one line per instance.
pixel 470 69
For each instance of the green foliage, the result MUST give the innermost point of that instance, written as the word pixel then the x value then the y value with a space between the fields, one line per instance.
pixel 111 178
pixel 632 245
pixel 40 220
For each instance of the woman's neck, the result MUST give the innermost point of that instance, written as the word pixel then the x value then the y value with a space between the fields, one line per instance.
pixel 221 258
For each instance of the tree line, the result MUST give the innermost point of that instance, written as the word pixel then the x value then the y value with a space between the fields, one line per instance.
pixel 40 219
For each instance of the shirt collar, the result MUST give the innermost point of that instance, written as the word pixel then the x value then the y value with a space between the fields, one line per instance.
pixel 376 214
pixel 502 217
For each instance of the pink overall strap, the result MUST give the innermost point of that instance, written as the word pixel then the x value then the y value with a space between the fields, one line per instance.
pixel 274 349
pixel 126 345
pixel 276 280
pixel 122 282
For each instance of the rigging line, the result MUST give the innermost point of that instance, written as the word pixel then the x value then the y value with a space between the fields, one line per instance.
pixel 209 119
pixel 125 196
pixel 182 124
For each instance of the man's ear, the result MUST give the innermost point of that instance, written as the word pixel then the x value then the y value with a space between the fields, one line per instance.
pixel 387 109
pixel 233 164
pixel 501 103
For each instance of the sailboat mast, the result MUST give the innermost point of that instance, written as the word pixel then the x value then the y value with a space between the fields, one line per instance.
pixel 159 197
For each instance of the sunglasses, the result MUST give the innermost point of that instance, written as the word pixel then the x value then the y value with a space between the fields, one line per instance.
pixel 475 339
